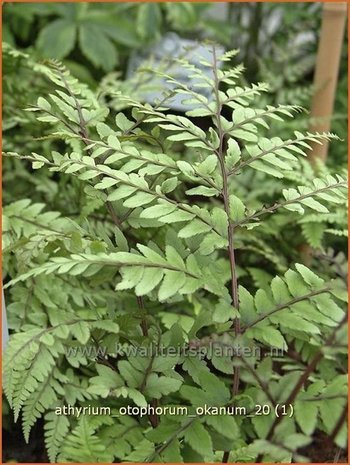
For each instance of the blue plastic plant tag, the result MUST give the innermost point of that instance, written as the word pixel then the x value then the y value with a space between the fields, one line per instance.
pixel 163 58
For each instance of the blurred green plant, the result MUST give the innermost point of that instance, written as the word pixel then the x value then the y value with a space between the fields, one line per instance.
pixel 101 33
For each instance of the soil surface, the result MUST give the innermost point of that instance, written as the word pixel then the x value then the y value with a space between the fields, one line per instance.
pixel 322 450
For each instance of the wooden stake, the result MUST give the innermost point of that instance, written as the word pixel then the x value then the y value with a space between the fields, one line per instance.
pixel 325 83
pixel 326 72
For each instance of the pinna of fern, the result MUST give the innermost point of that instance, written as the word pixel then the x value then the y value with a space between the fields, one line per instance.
pixel 193 208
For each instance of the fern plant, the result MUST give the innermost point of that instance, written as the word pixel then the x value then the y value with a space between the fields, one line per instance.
pixel 159 294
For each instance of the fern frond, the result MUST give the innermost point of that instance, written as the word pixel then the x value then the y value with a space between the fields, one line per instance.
pixel 83 445
pixel 329 190
pixel 138 193
pixel 313 233
pixel 300 301
pixel 39 401
pixel 142 272
pixel 29 360
pixel 274 155
pixel 23 219
pixel 56 429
